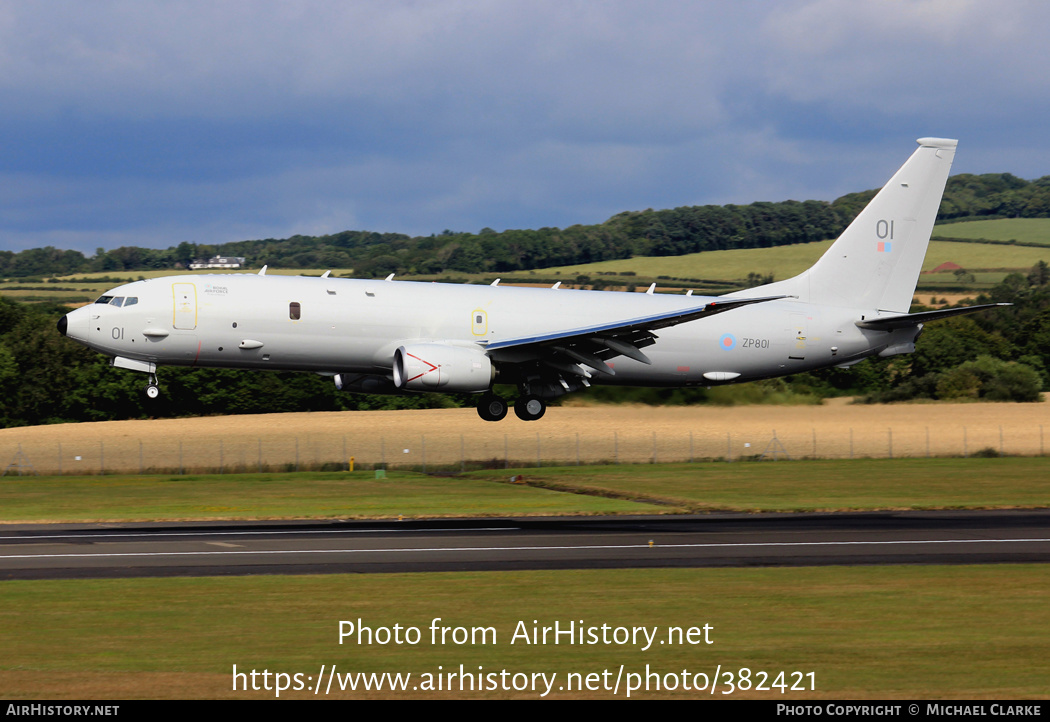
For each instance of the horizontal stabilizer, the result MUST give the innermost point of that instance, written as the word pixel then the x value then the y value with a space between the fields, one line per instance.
pixel 888 323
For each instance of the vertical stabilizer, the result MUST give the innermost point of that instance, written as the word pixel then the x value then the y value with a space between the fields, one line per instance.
pixel 875 263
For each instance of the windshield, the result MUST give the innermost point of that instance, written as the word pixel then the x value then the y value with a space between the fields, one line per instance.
pixel 118 301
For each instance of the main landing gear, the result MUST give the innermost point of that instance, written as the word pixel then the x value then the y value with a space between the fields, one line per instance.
pixel 492 407
pixel 527 408
pixel 530 408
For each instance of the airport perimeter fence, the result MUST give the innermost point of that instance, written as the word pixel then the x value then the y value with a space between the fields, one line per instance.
pixel 453 452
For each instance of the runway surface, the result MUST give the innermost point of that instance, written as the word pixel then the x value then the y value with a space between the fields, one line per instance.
pixel 715 540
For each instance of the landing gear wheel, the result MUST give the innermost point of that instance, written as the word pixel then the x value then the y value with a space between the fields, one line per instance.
pixel 530 408
pixel 152 390
pixel 492 407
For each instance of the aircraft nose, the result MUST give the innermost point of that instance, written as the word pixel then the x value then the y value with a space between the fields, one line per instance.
pixel 75 324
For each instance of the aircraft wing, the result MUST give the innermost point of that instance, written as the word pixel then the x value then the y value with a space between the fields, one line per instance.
pixel 591 345
pixel 889 323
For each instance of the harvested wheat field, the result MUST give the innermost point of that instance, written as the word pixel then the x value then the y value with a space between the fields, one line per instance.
pixel 451 437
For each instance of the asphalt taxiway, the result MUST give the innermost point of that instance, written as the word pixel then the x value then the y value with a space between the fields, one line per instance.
pixel 712 540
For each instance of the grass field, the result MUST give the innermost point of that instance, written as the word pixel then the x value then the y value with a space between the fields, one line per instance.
pixel 136 275
pixel 287 496
pixel 861 484
pixel 449 438
pixel 982 279
pixel 1023 230
pixel 787 261
pixel 783 261
pixel 958 632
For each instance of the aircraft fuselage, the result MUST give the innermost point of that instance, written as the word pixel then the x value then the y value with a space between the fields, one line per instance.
pixel 334 325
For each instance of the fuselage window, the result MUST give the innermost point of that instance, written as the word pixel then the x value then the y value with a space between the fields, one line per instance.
pixel 294 311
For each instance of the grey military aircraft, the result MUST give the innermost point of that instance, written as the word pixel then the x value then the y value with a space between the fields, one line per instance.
pixel 391 336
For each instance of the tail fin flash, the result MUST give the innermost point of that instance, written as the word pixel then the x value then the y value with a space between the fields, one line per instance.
pixel 875 263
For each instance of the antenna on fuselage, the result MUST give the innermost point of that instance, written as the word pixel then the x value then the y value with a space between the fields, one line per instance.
pixel 262 271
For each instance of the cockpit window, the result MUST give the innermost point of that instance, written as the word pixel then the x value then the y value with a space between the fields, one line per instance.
pixel 118 301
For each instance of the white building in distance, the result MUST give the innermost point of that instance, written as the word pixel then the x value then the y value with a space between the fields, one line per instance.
pixel 218 262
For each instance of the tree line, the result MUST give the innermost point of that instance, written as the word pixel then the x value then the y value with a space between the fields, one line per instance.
pixel 670 232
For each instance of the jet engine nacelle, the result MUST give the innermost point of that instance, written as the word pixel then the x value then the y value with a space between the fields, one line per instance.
pixel 434 366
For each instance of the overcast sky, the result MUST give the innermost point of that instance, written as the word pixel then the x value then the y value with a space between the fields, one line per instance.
pixel 152 123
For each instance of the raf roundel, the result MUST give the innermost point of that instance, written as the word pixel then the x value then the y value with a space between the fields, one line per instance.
pixel 727 342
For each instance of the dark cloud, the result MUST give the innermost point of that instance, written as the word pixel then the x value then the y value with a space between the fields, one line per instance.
pixel 152 123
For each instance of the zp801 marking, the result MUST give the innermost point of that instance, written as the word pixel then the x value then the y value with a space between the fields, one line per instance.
pixel 754 343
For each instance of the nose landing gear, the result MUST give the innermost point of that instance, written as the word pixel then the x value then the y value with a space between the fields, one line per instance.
pixel 152 389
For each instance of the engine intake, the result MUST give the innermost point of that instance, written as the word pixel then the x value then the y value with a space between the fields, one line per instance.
pixel 433 366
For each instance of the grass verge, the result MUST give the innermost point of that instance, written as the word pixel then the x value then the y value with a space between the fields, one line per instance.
pixel 784 486
pixel 811 485
pixel 959 632
pixel 303 495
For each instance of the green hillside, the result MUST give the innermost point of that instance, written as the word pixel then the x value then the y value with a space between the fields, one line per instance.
pixel 1019 230
pixel 787 261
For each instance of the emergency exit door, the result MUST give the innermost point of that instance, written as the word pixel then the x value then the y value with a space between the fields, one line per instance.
pixel 185 299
